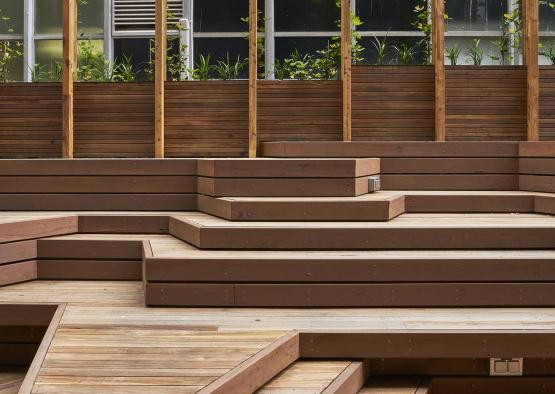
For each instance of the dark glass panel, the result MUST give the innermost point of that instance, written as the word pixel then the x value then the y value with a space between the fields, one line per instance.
pixel 306 15
pixel 468 15
pixel 386 15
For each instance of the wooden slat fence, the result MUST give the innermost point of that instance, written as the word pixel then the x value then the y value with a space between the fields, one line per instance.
pixel 393 103
pixel 547 103
pixel 486 103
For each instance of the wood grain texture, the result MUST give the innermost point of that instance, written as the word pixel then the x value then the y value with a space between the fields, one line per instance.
pixel 69 59
pixel 384 97
pixel 351 380
pixel 215 123
pixel 346 68
pixel 114 120
pixel 39 132
pixel 547 103
pixel 531 25
pixel 259 369
pixel 472 115
pixel 160 76
pixel 299 110
pixel 253 77
pixel 438 60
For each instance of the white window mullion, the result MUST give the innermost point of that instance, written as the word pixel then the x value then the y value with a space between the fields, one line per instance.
pixel 28 39
pixel 269 39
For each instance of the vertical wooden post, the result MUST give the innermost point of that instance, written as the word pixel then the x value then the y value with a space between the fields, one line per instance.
pixel 69 17
pixel 438 60
pixel 253 77
pixel 530 11
pixel 346 67
pixel 160 71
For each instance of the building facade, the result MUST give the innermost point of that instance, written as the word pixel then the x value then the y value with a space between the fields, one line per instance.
pixel 126 27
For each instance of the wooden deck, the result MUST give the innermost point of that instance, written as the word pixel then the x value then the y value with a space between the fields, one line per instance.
pixel 108 342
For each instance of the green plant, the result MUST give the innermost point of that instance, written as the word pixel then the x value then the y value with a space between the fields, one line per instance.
pixel 298 66
pixel 228 69
pixel 9 51
pixel 38 72
pixel 423 23
pixel 54 73
pixel 280 70
pixel 204 68
pixel 92 65
pixel 381 49
pixel 124 70
pixel 405 53
pixel 453 54
pixel 549 53
pixel 260 44
pixel 474 53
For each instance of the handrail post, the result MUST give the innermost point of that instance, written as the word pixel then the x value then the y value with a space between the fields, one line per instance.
pixel 69 18
pixel 438 60
pixel 530 10
pixel 160 43
pixel 253 71
pixel 346 68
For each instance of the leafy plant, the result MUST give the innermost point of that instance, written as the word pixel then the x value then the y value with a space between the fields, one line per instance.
pixel 91 65
pixel 474 53
pixel 55 71
pixel 124 71
pixel 260 44
pixel 453 54
pixel 405 53
pixel 298 66
pixel 9 51
pixel 228 69
pixel 549 53
pixel 423 23
pixel 38 72
pixel 381 49
pixel 280 70
pixel 204 68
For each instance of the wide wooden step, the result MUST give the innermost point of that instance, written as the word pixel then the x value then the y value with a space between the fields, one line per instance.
pixel 409 231
pixel 381 206
pixel 92 256
pixel 178 274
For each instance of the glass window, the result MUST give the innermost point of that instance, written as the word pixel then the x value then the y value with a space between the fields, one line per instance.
pixel 137 49
pixel 413 52
pixel 220 16
pixel 465 15
pixel 48 52
pixel 489 52
pixel 91 17
pixel 285 46
pixel 219 48
pixel 13 10
pixel 386 15
pixel 306 15
pixel 547 18
pixel 48 17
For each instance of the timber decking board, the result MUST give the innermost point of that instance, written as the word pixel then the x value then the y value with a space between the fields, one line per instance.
pixel 99 167
pixel 367 207
pixel 483 385
pixel 21 228
pixel 105 323
pixel 98 202
pixel 290 168
pixel 112 120
pixel 299 110
pixel 547 103
pixel 505 182
pixel 409 231
pixel 470 112
pixel 393 385
pixel 216 112
pixel 384 98
pixel 450 165
pixel 38 133
pixel 282 187
pixel 304 377
pixel 11 379
pixel 18 272
pixel 379 149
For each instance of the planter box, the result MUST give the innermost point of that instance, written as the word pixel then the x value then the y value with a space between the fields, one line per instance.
pixel 30 120
pixel 486 103
pixel 547 103
pixel 114 119
pixel 393 103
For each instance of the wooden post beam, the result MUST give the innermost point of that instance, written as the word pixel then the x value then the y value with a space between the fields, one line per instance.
pixel 438 60
pixel 69 17
pixel 530 11
pixel 346 67
pixel 160 76
pixel 253 78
